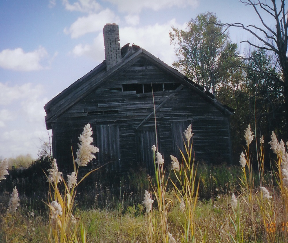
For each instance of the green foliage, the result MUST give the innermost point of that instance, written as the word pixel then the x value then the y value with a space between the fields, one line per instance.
pixel 265 88
pixel 212 217
pixel 252 86
pixel 30 182
pixel 217 180
pixel 271 39
pixel 256 96
pixel 24 226
pixel 195 207
pixel 109 226
pixel 20 162
pixel 204 51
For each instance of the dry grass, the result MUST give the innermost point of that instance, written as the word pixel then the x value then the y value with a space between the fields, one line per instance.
pixel 20 162
pixel 23 227
pixel 213 223
pixel 256 217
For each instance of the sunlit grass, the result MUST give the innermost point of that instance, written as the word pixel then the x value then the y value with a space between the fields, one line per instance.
pixel 191 203
pixel 212 220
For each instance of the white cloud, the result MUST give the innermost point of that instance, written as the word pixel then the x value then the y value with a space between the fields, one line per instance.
pixel 22 119
pixel 132 19
pixel 52 3
pixel 94 51
pixel 22 141
pixel 5 115
pixel 86 6
pixel 136 6
pixel 18 60
pixel 153 38
pixel 25 100
pixel 33 108
pixel 9 94
pixel 91 23
pixel 81 49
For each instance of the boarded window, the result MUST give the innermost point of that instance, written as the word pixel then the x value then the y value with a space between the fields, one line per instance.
pixel 145 140
pixel 177 131
pixel 108 144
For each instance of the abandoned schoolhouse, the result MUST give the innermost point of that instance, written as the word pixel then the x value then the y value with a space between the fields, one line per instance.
pixel 132 101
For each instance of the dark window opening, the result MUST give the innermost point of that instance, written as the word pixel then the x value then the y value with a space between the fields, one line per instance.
pixel 133 87
pixel 156 88
pixel 171 86
pixel 147 88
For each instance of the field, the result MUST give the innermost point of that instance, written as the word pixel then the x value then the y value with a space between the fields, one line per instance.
pixel 186 201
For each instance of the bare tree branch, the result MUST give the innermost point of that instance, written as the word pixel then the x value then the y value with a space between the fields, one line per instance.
pixel 259 47
pixel 285 24
pixel 263 31
pixel 260 17
pixel 240 25
pixel 275 40
pixel 265 6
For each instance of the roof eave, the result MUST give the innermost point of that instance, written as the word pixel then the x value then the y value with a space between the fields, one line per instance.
pixel 91 81
pixel 100 77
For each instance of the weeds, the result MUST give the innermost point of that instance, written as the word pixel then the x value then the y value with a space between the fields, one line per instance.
pixel 188 203
pixel 63 225
pixel 186 187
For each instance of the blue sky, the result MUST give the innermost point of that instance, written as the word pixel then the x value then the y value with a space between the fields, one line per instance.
pixel 47 45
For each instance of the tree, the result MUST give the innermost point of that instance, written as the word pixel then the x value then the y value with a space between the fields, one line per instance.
pixel 21 161
pixel 266 93
pixel 256 98
pixel 271 39
pixel 204 51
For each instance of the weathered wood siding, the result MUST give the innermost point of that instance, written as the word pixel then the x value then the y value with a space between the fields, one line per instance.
pixel 121 113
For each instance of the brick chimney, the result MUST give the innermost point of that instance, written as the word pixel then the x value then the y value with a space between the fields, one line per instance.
pixel 111 44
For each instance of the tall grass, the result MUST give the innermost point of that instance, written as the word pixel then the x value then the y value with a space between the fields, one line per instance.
pixel 63 224
pixel 186 187
pixel 184 202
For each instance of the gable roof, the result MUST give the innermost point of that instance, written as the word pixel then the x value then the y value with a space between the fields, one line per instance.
pixel 93 79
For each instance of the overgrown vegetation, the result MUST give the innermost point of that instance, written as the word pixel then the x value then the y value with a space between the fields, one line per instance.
pixel 193 202
pixel 20 162
pixel 253 83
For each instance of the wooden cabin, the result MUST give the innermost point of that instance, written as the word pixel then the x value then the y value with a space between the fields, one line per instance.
pixel 128 99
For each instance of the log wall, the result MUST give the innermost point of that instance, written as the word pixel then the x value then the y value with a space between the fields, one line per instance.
pixel 121 113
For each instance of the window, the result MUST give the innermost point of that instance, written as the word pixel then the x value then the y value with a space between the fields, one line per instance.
pixel 156 88
pixel 177 132
pixel 108 144
pixel 133 87
pixel 171 86
pixel 145 140
pixel 147 88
